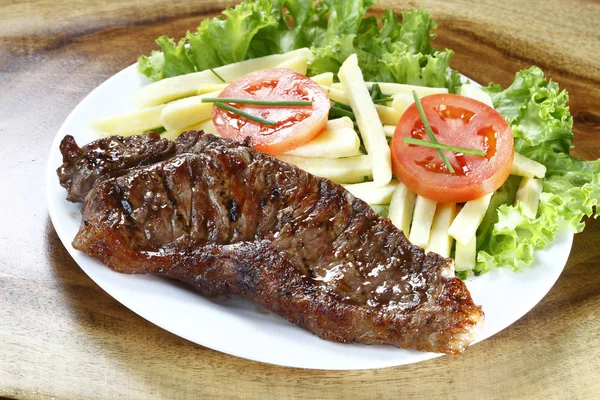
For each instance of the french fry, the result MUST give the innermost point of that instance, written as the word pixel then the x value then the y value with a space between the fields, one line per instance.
pixel 528 194
pixel 207 126
pixel 422 220
pixel 298 64
pixel 336 94
pixel 389 130
pixel 178 87
pixel 388 115
pixel 401 209
pixel 339 123
pixel 324 79
pixel 467 221
pixel 371 193
pixel 476 93
pixel 183 113
pixel 340 170
pixel 336 143
pixel 210 87
pixel 402 101
pixel 465 255
pixel 439 240
pixel 367 119
pixel 523 166
pixel 395 88
pixel 131 123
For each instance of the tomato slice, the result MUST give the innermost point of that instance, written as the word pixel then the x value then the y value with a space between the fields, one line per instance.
pixel 294 127
pixel 457 121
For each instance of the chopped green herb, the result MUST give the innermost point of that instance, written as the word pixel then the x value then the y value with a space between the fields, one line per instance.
pixel 337 112
pixel 441 146
pixel 245 114
pixel 383 100
pixel 429 131
pixel 158 130
pixel 218 76
pixel 377 96
pixel 257 102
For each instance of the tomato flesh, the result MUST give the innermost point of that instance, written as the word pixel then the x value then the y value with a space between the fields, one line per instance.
pixel 456 121
pixel 295 125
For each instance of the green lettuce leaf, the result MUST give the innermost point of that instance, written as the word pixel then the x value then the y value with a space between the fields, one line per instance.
pixel 226 39
pixel 542 125
pixel 334 29
pixel 152 66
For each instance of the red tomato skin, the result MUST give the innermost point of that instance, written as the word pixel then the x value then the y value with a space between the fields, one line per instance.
pixel 478 176
pixel 295 125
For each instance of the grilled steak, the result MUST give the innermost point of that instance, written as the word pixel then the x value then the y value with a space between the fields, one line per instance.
pixel 230 220
pixel 111 156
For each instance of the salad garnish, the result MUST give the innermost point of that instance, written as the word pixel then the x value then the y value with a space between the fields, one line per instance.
pixel 282 103
pixel 441 146
pixel 430 133
pixel 219 77
pixel 246 115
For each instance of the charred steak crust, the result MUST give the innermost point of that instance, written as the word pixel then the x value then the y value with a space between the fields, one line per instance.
pixel 227 219
pixel 110 156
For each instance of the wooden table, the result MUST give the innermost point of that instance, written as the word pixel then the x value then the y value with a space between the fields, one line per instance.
pixel 62 336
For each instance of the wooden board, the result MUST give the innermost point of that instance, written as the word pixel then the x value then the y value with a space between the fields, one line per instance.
pixel 61 336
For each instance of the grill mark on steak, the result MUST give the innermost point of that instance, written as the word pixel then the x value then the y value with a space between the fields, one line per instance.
pixel 107 157
pixel 300 245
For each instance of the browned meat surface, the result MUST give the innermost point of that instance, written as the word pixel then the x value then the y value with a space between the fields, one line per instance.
pixel 227 219
pixel 111 156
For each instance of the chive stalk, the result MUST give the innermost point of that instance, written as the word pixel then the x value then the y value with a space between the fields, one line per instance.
pixel 219 77
pixel 383 100
pixel 441 146
pixel 246 115
pixel 430 132
pixel 340 112
pixel 257 102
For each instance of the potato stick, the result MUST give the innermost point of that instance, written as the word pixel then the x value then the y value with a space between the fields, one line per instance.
pixel 388 115
pixel 325 79
pixel 171 135
pixel 465 255
pixel 130 124
pixel 439 240
pixel 336 94
pixel 207 126
pixel 297 64
pixel 339 123
pixel 422 220
pixel 186 112
pixel 340 170
pixel 210 87
pixel 523 166
pixel 402 101
pixel 401 209
pixel 528 194
pixel 178 87
pixel 395 88
pixel 476 93
pixel 467 221
pixel 336 143
pixel 389 130
pixel 367 119
pixel 371 193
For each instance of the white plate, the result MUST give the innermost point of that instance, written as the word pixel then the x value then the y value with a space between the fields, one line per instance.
pixel 239 327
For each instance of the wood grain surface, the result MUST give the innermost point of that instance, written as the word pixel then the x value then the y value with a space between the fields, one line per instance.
pixel 61 336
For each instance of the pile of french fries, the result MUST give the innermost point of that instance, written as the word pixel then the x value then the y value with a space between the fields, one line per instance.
pixel 175 104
